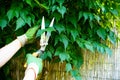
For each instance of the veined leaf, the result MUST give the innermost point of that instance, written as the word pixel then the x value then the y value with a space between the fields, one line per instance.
pixel 68 67
pixel 54 8
pixel 39 32
pixel 3 23
pixel 58 51
pixel 77 60
pixel 74 34
pixel 103 9
pixel 32 18
pixel 89 46
pixel 64 40
pixel 97 18
pixel 50 29
pixel 51 2
pixel 100 48
pixel 112 37
pixel 44 56
pixel 114 12
pixel 29 2
pixel 91 24
pixel 86 16
pixel 91 16
pixel 108 51
pixel 23 14
pixel 61 10
pixel 28 21
pixel 78 78
pixel 60 28
pixel 56 40
pixel 80 15
pixel 60 1
pixel 97 46
pixel 49 54
pixel 57 16
pixel 101 33
pixel 12 13
pixel 80 43
pixel 19 23
pixel 74 72
pixel 64 56
pixel 73 20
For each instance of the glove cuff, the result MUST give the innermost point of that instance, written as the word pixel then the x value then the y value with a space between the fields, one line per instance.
pixel 34 67
pixel 22 39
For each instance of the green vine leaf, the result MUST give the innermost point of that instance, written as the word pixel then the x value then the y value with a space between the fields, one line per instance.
pixel 73 20
pixel 60 1
pixel 97 18
pixel 20 23
pixel 60 28
pixel 29 2
pixel 101 33
pixel 91 16
pixel 86 16
pixel 12 13
pixel 114 11
pixel 3 23
pixel 64 40
pixel 28 21
pixel 57 16
pixel 75 74
pixel 112 37
pixel 108 51
pixel 74 34
pixel 68 67
pixel 39 32
pixel 89 46
pixel 80 15
pixel 58 51
pixel 61 10
pixel 64 56
pixel 80 42
pixel 49 54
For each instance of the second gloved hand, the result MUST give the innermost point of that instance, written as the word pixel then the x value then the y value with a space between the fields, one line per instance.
pixel 35 63
pixel 29 36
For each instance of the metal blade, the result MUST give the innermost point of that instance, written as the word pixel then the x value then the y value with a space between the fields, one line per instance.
pixel 43 35
pixel 51 25
pixel 43 23
pixel 48 33
pixel 52 22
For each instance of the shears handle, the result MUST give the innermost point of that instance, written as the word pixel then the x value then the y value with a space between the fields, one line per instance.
pixel 35 54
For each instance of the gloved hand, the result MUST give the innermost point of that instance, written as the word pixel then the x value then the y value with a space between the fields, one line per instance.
pixel 31 33
pixel 35 63
pixel 29 36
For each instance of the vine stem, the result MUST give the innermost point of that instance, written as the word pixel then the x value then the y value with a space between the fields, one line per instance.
pixel 41 5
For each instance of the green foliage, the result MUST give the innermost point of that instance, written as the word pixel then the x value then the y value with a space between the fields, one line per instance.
pixel 80 24
pixel 102 33
pixel 68 67
pixel 3 23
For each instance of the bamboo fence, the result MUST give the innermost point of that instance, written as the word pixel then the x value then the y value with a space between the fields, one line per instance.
pixel 95 67
pixel 101 67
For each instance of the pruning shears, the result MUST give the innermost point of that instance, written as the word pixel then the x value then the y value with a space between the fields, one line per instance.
pixel 44 39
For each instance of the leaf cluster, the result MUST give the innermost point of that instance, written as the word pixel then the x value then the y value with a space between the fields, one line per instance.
pixel 79 24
